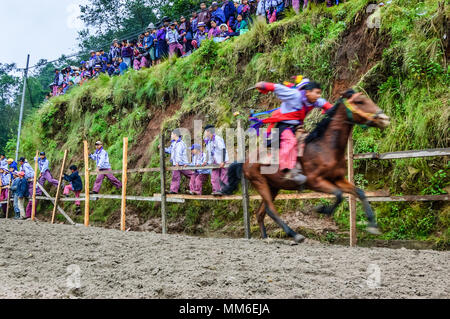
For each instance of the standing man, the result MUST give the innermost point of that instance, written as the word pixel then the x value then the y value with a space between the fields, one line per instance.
pixel 216 154
pixel 102 160
pixel 28 175
pixel 45 174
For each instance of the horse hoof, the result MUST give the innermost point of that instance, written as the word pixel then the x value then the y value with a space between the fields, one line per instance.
pixel 299 238
pixel 373 230
pixel 322 210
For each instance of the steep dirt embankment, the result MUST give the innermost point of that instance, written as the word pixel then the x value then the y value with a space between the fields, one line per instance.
pixel 40 260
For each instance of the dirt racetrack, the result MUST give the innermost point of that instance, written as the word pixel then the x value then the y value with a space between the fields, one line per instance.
pixel 39 260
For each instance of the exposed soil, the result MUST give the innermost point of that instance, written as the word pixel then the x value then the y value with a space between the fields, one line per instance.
pixel 359 50
pixel 35 261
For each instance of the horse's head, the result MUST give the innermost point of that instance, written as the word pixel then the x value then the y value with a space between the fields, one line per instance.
pixel 362 110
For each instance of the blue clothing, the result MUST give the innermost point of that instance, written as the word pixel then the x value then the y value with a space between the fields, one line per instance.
pixel 22 188
pixel 13 165
pixel 101 158
pixel 199 159
pixel 200 36
pixel 75 181
pixel 228 10
pixel 172 36
pixel 43 165
pixel 177 151
pixel 194 25
pixel 123 67
pixel 148 42
pixel 218 16
pixel 28 170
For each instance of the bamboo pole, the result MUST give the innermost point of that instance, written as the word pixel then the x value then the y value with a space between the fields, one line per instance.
pixel 86 183
pixel 162 166
pixel 124 182
pixel 58 190
pixel 33 207
pixel 244 183
pixel 351 198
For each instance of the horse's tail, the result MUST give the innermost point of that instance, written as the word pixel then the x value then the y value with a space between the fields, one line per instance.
pixel 234 178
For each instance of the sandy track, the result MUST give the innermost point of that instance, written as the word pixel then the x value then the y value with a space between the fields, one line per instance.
pixel 34 260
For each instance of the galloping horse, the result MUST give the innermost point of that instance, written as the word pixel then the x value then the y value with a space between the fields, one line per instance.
pixel 323 162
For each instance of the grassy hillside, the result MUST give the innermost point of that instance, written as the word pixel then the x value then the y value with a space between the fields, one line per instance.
pixel 402 66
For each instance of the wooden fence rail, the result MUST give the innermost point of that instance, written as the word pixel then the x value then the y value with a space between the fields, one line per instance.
pixel 376 196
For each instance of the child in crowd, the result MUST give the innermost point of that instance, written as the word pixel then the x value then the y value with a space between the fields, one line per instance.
pixel 214 31
pixel 28 171
pixel 216 154
pixel 14 185
pixel 22 193
pixel 5 178
pixel 199 176
pixel 75 185
pixel 201 35
pixel 172 38
pixel 178 158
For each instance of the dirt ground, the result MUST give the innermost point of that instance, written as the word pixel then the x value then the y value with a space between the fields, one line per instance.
pixel 40 260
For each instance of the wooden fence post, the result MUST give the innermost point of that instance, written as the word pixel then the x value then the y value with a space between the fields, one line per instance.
pixel 124 182
pixel 351 198
pixel 58 190
pixel 8 199
pixel 244 182
pixel 162 166
pixel 33 207
pixel 86 183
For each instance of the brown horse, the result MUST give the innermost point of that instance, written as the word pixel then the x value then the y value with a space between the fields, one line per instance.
pixel 323 162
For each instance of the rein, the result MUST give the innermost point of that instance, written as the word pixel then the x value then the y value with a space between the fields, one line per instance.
pixel 352 109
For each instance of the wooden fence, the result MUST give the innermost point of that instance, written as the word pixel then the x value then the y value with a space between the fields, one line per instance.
pixel 377 196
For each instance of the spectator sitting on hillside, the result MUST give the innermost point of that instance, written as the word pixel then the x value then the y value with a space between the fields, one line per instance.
pixel 224 34
pixel 201 35
pixel 214 30
pixel 240 27
pixel 204 15
pixel 217 13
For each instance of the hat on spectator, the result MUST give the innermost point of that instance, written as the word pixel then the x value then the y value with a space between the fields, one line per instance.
pixel 92 51
pixel 196 147
pixel 172 23
pixel 42 153
pixel 22 159
pixel 21 174
pixel 214 4
pixel 97 66
pixel 151 26
pixel 98 143
pixel 201 24
pixel 223 25
pixel 10 160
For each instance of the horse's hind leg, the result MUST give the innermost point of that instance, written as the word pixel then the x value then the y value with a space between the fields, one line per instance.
pixel 261 213
pixel 326 186
pixel 348 187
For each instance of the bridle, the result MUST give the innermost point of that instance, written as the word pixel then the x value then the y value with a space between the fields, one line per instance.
pixel 351 109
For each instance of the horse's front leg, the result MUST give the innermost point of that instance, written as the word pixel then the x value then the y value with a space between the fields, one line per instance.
pixel 348 187
pixel 325 186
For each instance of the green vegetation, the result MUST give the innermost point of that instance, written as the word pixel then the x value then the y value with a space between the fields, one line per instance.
pixel 410 82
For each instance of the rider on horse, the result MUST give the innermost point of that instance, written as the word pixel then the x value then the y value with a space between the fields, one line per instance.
pixel 297 102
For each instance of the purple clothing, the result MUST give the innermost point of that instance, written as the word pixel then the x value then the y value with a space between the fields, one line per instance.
pixel 161 34
pixel 217 175
pixel 46 176
pixel 176 178
pixel 30 202
pixel 196 183
pixel 111 177
pixel 213 32
pixel 127 52
pixel 67 190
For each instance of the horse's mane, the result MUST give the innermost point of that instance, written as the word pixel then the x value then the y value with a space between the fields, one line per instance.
pixel 322 126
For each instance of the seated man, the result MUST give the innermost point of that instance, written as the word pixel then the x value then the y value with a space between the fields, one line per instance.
pixel 297 102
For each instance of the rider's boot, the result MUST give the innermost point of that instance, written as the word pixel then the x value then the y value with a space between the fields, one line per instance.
pixel 295 174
